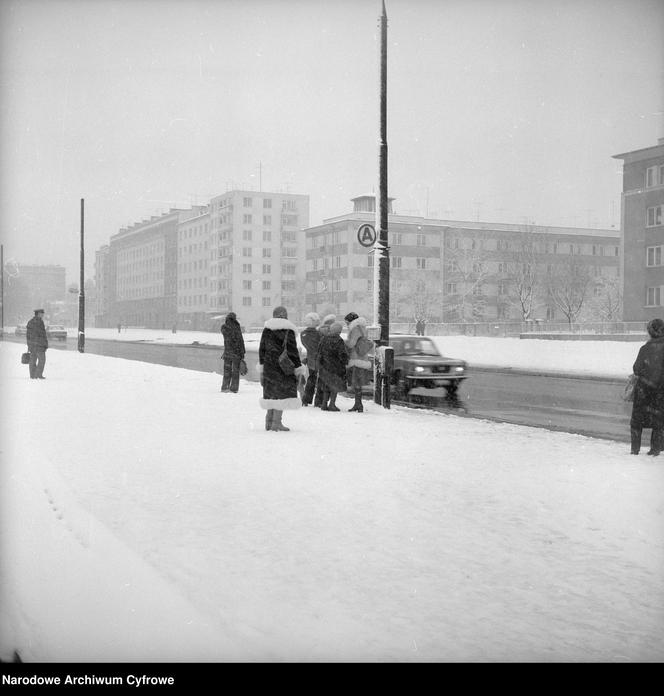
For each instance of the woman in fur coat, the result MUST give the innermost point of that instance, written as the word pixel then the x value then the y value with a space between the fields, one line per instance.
pixel 332 361
pixel 310 337
pixel 648 407
pixel 323 330
pixel 279 389
pixel 359 365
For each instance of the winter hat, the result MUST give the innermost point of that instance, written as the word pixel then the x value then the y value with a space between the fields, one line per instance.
pixel 280 313
pixel 311 319
pixel 351 316
pixel 335 328
pixel 231 316
pixel 656 328
pixel 329 319
pixel 39 311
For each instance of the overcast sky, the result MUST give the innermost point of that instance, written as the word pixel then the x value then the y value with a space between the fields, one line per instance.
pixel 502 110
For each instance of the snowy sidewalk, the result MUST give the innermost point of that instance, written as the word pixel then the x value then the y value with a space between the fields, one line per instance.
pixel 147 516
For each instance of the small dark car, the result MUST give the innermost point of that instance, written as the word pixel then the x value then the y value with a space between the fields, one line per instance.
pixel 418 363
pixel 57 331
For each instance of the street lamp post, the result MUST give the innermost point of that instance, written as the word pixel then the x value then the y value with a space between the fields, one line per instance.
pixel 81 290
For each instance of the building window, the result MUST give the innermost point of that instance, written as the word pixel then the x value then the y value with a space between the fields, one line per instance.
pixel 267 219
pixel 421 264
pixel 267 202
pixel 337 261
pixel 396 238
pixel 451 288
pixel 288 269
pixel 655 176
pixel 246 301
pixel 288 236
pixel 266 302
pixel 246 218
pixel 246 268
pixel 267 285
pixel 267 236
pixel 654 296
pixel 290 220
pixel 654 216
pixel 246 235
pixel 421 240
pixel 370 260
pixel 267 269
pixel 654 255
pixel 267 252
pixel 396 262
pixel 246 251
pixel 291 252
pixel 246 285
pixel 289 205
pixel 502 289
pixel 247 202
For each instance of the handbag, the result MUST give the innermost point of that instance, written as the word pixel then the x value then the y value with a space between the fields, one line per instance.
pixel 628 394
pixel 243 367
pixel 25 358
pixel 285 363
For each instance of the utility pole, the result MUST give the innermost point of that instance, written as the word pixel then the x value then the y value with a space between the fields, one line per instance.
pixel 381 248
pixel 2 289
pixel 81 291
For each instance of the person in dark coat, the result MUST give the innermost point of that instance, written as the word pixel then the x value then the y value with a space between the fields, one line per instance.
pixel 37 341
pixel 310 337
pixel 233 353
pixel 359 365
pixel 332 361
pixel 323 330
pixel 279 389
pixel 648 406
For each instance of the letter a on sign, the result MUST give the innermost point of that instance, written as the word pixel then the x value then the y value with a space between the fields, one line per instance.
pixel 366 235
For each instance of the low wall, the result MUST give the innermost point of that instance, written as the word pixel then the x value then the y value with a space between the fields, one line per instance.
pixel 585 337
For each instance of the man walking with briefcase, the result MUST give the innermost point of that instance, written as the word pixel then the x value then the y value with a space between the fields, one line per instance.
pixel 37 344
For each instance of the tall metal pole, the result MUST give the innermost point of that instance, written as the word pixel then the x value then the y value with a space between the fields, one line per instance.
pixel 2 289
pixel 382 254
pixel 81 290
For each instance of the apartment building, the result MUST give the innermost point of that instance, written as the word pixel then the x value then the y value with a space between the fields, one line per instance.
pixel 642 225
pixel 193 267
pixel 450 270
pixel 257 249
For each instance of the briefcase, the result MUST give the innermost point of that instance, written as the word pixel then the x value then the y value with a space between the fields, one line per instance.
pixel 25 358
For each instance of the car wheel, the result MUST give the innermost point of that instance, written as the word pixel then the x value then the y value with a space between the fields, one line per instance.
pixel 452 389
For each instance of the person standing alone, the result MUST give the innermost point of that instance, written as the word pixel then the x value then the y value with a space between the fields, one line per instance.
pixel 359 365
pixel 37 341
pixel 233 353
pixel 310 337
pixel 648 407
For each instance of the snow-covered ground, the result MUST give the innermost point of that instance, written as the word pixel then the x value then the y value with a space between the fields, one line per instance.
pixel 146 516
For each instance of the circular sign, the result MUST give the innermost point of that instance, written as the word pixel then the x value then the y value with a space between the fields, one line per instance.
pixel 366 235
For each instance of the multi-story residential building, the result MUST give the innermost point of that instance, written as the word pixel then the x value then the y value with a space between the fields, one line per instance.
pixel 142 271
pixel 457 271
pixel 642 225
pixel 257 249
pixel 193 269
pixel 103 297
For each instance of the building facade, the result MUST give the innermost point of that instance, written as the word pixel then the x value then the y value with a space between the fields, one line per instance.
pixel 193 271
pixel 454 271
pixel 642 226
pixel 257 250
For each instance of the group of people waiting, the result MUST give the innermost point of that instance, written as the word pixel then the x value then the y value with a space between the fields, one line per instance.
pixel 332 364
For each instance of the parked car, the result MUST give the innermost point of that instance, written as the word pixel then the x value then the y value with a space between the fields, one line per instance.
pixel 419 363
pixel 20 331
pixel 56 331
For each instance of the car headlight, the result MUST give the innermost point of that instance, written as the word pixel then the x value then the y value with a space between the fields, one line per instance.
pixel 458 369
pixel 419 368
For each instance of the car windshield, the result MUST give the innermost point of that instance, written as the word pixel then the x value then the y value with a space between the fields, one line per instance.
pixel 415 346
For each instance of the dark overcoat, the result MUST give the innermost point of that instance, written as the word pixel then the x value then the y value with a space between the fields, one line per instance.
pixel 648 406
pixel 233 340
pixel 332 361
pixel 279 389
pixel 35 335
pixel 310 338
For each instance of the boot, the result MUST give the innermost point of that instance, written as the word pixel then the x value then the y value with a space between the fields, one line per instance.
pixel 325 395
pixel 276 421
pixel 655 442
pixel 636 439
pixel 358 403
pixel 268 419
pixel 332 406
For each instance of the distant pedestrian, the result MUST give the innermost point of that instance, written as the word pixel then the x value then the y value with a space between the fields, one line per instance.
pixel 233 353
pixel 310 337
pixel 37 341
pixel 359 365
pixel 119 328
pixel 279 388
pixel 419 327
pixel 648 407
pixel 332 362
pixel 323 330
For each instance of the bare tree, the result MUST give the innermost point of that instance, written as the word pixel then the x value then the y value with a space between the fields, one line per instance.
pixel 606 302
pixel 467 269
pixel 524 277
pixel 422 296
pixel 568 284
